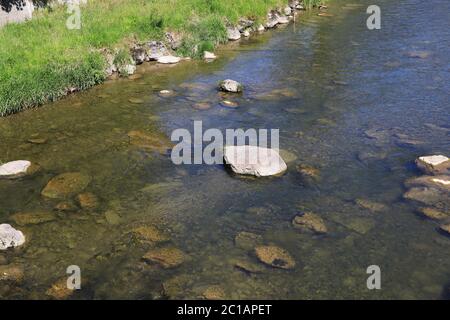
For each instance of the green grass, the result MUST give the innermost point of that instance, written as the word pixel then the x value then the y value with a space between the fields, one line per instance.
pixel 40 59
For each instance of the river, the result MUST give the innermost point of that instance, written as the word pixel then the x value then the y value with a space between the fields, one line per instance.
pixel 326 83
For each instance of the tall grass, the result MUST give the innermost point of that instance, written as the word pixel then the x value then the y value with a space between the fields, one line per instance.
pixel 40 59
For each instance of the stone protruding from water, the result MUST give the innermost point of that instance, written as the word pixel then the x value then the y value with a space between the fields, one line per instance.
pixel 253 160
pixel 10 237
pixel 233 34
pixel 66 185
pixel 209 55
pixel 275 257
pixel 229 85
pixel 435 164
pixel 14 169
pixel 168 59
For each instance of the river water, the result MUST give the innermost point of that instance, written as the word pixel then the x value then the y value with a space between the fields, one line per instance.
pixel 324 82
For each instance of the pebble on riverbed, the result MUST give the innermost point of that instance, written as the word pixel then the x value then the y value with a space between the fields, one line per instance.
pixel 167 258
pixel 66 184
pixel 310 222
pixel 275 257
pixel 27 218
pixel 229 85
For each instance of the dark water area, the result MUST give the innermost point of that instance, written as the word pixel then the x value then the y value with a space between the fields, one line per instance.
pixel 328 84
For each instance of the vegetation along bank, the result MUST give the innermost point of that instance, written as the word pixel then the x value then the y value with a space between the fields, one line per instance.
pixel 42 60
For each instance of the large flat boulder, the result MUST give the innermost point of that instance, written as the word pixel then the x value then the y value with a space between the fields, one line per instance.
pixel 253 160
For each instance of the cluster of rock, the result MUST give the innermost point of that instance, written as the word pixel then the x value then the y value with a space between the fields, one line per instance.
pixel 432 190
pixel 139 53
pixel 162 52
pixel 245 26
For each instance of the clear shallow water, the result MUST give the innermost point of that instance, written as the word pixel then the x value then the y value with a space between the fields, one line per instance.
pixel 335 80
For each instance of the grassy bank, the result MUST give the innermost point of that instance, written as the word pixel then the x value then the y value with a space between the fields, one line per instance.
pixel 40 59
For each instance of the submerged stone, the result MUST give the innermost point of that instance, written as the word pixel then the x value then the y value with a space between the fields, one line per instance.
pixel 428 196
pixel 37 140
pixel 11 273
pixel 311 222
pixel 10 237
pixel 27 218
pixel 445 228
pixel 151 142
pixel 136 101
pixel 441 182
pixel 59 290
pixel 275 257
pixel 247 266
pixel 370 205
pixel 87 200
pixel 202 106
pixel 66 184
pixel 247 240
pixel 253 160
pixel 150 234
pixel 308 173
pixel 434 214
pixel 229 104
pixel 112 218
pixel 214 293
pixel 66 206
pixel 168 257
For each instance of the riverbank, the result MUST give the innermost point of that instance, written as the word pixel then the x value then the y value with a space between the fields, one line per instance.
pixel 45 61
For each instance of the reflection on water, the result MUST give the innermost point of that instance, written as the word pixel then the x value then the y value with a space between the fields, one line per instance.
pixel 354 107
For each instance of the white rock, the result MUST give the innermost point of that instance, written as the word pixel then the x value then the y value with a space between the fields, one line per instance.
pixel 10 237
pixel 434 160
pixel 209 55
pixel 246 33
pixel 261 28
pixel 253 160
pixel 127 69
pixel 287 10
pixel 230 86
pixel 14 169
pixel 433 164
pixel 271 23
pixel 283 20
pixel 233 34
pixel 168 59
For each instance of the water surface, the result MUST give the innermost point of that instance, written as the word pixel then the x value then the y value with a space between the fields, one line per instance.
pixel 323 82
